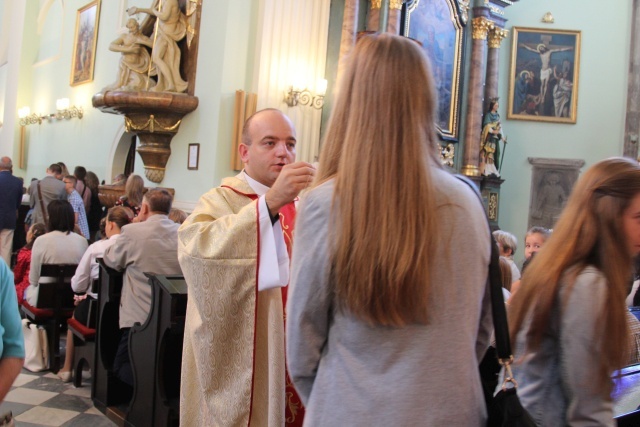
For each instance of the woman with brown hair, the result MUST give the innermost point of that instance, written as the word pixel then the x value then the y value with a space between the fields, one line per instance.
pixel 95 212
pixel 87 271
pixel 132 198
pixel 375 329
pixel 568 319
pixel 60 245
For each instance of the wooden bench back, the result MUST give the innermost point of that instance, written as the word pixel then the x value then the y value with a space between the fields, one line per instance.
pixel 57 295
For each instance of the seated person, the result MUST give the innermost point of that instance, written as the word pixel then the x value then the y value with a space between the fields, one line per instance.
pixel 86 273
pixel 59 246
pixel 23 264
pixel 149 246
pixel 177 215
pixel 132 198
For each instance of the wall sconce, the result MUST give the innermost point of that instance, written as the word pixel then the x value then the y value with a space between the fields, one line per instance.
pixel 295 95
pixel 63 111
pixel 26 118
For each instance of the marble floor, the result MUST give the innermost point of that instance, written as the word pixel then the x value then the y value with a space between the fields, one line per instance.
pixel 41 399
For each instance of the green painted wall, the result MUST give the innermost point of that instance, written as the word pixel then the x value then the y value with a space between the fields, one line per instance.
pixel 602 98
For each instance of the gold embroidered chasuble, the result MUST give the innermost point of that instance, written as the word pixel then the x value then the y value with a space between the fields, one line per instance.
pixel 233 362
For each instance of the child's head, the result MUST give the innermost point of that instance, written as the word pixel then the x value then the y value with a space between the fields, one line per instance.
pixel 534 239
pixel 35 231
pixel 507 243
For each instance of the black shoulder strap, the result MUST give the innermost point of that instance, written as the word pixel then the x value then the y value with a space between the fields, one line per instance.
pixel 503 343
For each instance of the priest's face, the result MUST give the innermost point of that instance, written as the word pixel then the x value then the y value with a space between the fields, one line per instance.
pixel 273 145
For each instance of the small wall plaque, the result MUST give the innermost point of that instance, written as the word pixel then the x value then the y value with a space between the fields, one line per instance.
pixel 194 157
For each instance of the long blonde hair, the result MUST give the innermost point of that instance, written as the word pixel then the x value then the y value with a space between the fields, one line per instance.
pixel 589 232
pixel 380 146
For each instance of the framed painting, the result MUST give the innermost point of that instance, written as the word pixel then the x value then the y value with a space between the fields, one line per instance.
pixel 84 43
pixel 545 66
pixel 438 26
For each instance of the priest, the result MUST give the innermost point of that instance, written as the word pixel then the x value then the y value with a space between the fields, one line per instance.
pixel 234 251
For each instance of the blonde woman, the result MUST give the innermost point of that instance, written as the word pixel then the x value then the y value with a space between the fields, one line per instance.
pixel 375 329
pixel 568 319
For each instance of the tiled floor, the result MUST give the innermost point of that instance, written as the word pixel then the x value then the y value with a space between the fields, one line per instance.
pixel 41 399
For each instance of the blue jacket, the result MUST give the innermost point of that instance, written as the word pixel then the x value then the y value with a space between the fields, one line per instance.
pixel 11 341
pixel 10 199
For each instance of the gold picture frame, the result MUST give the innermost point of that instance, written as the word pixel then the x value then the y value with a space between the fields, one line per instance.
pixel 543 78
pixel 439 28
pixel 84 43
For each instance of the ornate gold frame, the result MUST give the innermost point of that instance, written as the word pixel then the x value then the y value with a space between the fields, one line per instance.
pixel 84 15
pixel 458 19
pixel 518 72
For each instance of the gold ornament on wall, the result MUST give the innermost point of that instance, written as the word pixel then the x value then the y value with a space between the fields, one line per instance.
pixel 548 18
pixel 481 27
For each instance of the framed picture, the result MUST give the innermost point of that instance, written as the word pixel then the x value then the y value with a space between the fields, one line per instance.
pixel 194 157
pixel 545 65
pixel 437 25
pixel 84 43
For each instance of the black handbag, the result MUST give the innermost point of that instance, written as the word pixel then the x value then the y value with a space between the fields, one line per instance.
pixel 504 409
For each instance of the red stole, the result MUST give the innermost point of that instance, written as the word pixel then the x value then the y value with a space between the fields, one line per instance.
pixel 294 410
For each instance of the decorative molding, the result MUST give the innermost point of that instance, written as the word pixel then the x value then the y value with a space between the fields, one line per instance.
pixel 447 154
pixel 463 5
pixel 496 35
pixel 492 206
pixel 393 4
pixel 549 162
pixel 548 18
pixel 481 27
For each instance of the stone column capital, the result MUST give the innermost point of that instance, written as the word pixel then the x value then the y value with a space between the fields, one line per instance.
pixel 481 27
pixel 393 4
pixel 496 35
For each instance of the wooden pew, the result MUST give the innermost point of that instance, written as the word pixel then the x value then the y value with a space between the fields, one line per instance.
pixel 54 306
pixel 107 390
pixel 156 355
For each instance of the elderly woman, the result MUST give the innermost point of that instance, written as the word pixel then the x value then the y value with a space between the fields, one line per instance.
pixel 59 246
pixel 374 327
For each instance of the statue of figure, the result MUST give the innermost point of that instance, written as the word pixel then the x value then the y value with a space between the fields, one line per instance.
pixel 490 143
pixel 133 72
pixel 171 27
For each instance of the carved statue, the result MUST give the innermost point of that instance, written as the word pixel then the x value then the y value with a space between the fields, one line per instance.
pixel 133 72
pixel 490 144
pixel 170 28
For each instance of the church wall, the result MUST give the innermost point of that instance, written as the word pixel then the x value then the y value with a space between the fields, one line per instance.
pixel 225 59
pixel 602 97
pixel 231 41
